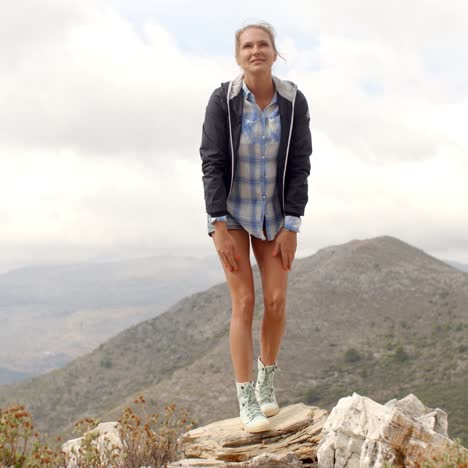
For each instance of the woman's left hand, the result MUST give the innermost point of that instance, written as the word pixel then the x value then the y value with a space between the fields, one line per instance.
pixel 286 244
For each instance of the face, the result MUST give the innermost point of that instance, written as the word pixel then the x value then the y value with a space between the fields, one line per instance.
pixel 256 53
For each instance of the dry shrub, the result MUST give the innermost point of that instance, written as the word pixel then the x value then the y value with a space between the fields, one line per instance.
pixel 150 438
pixel 452 455
pixel 21 445
pixel 147 439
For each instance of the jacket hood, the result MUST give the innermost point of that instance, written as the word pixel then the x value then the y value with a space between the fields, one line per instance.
pixel 286 89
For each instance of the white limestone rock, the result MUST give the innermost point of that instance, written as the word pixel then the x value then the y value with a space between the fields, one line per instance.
pixel 360 433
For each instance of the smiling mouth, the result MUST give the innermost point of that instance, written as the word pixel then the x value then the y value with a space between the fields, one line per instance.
pixel 257 60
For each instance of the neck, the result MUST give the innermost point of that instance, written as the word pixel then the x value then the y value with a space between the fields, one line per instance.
pixel 260 85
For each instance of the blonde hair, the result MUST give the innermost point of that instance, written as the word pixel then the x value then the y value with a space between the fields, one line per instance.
pixel 264 26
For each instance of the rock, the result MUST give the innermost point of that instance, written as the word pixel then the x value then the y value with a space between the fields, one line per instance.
pixel 295 436
pixel 265 460
pixel 433 419
pixel 363 434
pixel 196 463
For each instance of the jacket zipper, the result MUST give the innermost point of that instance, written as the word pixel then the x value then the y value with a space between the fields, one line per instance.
pixel 230 138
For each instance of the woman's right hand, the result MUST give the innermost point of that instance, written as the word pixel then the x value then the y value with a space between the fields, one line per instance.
pixel 225 246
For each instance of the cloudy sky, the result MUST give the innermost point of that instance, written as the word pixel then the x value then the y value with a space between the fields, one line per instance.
pixel 102 102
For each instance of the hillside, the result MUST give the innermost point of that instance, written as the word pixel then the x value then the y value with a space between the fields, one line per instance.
pixel 52 314
pixel 378 317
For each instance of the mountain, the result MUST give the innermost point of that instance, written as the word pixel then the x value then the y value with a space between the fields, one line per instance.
pixel 460 266
pixel 52 314
pixel 378 317
pixel 7 376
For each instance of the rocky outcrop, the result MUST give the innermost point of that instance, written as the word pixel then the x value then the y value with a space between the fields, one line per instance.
pixel 358 433
pixel 293 439
pixel 265 460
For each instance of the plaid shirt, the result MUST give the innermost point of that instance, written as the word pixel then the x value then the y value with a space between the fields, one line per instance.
pixel 254 197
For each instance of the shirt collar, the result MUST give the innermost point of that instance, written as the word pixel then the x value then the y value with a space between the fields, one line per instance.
pixel 247 93
pixel 251 98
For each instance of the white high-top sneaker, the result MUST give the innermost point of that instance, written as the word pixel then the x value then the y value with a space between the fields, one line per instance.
pixel 264 391
pixel 251 416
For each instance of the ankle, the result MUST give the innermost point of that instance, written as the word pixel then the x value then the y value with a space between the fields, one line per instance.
pixel 267 365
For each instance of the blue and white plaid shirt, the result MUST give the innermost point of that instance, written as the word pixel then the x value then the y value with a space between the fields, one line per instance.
pixel 254 198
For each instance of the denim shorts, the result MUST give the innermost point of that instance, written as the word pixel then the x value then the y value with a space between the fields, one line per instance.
pixel 231 224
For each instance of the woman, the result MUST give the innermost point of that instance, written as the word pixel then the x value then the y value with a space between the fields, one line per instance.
pixel 255 151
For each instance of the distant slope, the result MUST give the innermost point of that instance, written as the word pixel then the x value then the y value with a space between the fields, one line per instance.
pixel 376 316
pixel 460 266
pixel 50 315
pixel 8 376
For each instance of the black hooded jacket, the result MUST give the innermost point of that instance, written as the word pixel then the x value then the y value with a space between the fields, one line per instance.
pixel 220 143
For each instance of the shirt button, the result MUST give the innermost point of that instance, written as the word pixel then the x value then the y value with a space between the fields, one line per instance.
pixel 263 197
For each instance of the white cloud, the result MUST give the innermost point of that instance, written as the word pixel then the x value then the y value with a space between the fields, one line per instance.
pixel 421 203
pixel 63 197
pixel 27 27
pixel 107 90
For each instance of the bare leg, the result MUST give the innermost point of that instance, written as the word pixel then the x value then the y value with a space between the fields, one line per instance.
pixel 241 287
pixel 274 282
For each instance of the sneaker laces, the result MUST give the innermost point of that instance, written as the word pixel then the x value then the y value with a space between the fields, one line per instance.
pixel 252 406
pixel 266 384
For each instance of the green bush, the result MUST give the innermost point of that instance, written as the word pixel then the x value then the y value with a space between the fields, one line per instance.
pixel 106 362
pixel 400 354
pixel 364 373
pixel 312 396
pixel 352 355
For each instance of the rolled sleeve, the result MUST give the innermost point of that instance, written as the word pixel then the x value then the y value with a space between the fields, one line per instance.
pixel 213 219
pixel 292 223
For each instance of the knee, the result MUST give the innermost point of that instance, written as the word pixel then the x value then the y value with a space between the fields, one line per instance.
pixel 275 305
pixel 243 305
